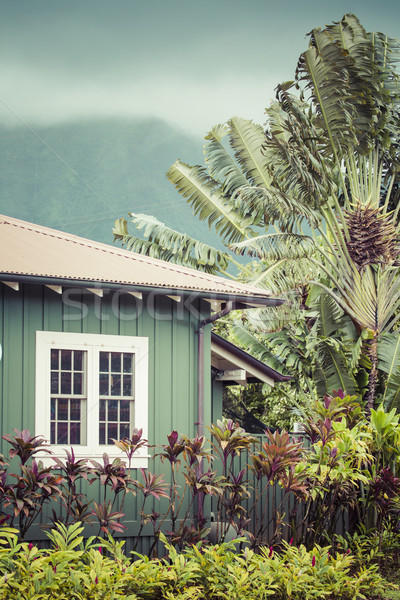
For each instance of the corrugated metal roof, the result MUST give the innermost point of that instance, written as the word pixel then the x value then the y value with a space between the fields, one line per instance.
pixel 32 250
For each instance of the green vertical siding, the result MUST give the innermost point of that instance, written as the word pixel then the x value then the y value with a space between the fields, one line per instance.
pixel 217 390
pixel 171 330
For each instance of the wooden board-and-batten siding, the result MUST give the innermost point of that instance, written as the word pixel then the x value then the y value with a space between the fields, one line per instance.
pixel 172 358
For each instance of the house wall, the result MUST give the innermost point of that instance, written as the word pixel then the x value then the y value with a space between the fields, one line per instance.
pixel 217 391
pixel 171 330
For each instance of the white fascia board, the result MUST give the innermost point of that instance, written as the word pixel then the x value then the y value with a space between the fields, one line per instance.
pixel 241 364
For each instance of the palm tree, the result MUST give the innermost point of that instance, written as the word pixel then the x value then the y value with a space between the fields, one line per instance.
pixel 319 187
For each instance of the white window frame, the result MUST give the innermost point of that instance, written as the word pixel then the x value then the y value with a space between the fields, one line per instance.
pixel 92 343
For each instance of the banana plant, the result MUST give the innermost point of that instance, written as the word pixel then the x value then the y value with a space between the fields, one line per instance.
pixel 319 189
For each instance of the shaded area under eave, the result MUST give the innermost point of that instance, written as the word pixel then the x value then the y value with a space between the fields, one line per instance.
pixel 226 357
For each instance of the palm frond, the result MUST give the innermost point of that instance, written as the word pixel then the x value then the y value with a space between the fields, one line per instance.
pixel 220 164
pixel 282 277
pixel 365 88
pixel 246 139
pixel 208 203
pixel 276 246
pixel 323 72
pixel 265 321
pixel 170 245
pixel 272 206
pixel 247 340
pixel 389 363
pixel 331 344
pixel 331 371
pixel 293 149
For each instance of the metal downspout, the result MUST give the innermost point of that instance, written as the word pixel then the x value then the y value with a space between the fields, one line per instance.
pixel 200 370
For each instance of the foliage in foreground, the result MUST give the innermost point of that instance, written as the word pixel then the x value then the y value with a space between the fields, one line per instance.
pixel 267 490
pixel 98 569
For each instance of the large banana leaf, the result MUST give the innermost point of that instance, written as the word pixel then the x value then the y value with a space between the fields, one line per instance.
pixel 272 206
pixel 246 139
pixel 221 164
pixel 208 203
pixel 323 71
pixel 271 320
pixel 276 246
pixel 246 339
pixel 337 347
pixel 292 149
pixel 389 363
pixel 280 277
pixel 167 244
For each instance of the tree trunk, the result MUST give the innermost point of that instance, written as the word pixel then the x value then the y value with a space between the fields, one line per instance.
pixel 372 354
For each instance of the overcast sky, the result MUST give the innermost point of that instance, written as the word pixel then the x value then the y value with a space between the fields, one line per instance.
pixel 191 62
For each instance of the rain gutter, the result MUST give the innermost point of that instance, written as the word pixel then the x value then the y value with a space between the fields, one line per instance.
pixel 200 371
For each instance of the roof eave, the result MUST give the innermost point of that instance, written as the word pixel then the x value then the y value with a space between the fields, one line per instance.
pixel 240 301
pixel 278 377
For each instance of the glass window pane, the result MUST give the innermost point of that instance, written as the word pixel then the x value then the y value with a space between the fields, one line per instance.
pixel 53 409
pixel 75 410
pixel 65 383
pixel 124 431
pixel 112 432
pixel 103 384
pixel 102 410
pixel 52 433
pixel 78 381
pixel 116 362
pixel 104 362
pixel 54 383
pixel 102 433
pixel 62 409
pixel 78 360
pixel 75 433
pixel 127 363
pixel 115 385
pixel 54 360
pixel 113 410
pixel 66 360
pixel 127 388
pixel 62 433
pixel 124 411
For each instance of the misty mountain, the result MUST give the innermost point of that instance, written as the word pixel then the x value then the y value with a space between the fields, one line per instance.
pixel 80 177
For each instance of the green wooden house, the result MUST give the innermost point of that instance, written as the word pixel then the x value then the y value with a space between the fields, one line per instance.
pixel 96 340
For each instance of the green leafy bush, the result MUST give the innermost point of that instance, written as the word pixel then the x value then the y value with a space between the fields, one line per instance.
pixel 98 569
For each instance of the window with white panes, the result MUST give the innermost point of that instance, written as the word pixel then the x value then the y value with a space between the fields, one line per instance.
pixel 68 396
pixel 116 378
pixel 91 389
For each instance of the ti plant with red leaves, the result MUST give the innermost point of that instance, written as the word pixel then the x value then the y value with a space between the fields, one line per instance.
pixel 25 446
pixel 115 477
pixel 156 487
pixel 274 465
pixel 229 441
pixel 108 520
pixel 131 445
pixel 384 498
pixel 34 486
pixel 335 465
pixel 77 507
pixel 194 451
pixel 170 453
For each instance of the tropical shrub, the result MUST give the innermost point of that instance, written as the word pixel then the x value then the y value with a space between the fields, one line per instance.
pixel 98 568
pixel 266 490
